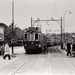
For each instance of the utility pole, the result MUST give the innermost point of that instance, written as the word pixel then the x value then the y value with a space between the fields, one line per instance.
pixel 12 24
pixel 61 34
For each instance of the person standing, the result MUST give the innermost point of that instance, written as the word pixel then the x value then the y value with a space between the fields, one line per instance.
pixel 64 45
pixel 73 46
pixel 2 49
pixel 7 51
pixel 68 48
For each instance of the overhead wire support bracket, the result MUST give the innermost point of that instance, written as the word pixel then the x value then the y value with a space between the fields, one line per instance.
pixel 51 20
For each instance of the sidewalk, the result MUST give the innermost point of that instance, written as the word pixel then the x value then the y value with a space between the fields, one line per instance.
pixel 63 50
pixel 18 51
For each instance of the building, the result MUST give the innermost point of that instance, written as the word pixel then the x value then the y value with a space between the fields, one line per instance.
pixel 1 33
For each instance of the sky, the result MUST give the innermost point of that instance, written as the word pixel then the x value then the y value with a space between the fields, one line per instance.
pixel 42 9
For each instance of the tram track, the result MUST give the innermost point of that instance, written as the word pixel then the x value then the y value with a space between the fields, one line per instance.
pixel 47 64
pixel 22 65
pixel 69 65
pixel 27 65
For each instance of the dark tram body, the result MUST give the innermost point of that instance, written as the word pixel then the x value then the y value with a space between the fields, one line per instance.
pixel 34 40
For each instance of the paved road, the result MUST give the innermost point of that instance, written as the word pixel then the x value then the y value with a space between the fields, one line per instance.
pixel 52 63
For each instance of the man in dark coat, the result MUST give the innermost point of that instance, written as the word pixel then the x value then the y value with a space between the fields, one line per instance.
pixel 68 48
pixel 73 46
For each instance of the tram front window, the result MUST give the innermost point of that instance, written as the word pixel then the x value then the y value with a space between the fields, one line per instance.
pixel 32 37
pixel 25 36
pixel 36 36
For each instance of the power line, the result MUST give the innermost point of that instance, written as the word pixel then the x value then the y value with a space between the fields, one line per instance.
pixel 54 7
pixel 25 5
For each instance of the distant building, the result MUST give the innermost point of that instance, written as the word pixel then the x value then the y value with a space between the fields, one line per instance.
pixel 1 33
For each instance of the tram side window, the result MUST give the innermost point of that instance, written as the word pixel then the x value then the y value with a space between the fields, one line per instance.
pixel 25 36
pixel 36 36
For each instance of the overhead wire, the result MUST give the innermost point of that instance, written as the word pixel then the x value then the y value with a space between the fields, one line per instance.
pixel 54 7
pixel 54 14
pixel 25 6
pixel 54 10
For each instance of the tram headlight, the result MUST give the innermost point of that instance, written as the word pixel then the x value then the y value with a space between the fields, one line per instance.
pixel 25 45
pixel 36 44
pixel 39 45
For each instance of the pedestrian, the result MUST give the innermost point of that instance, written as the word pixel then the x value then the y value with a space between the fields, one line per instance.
pixel 2 49
pixel 68 48
pixel 73 46
pixel 7 51
pixel 64 45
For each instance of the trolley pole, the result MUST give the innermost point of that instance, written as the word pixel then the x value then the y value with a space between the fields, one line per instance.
pixel 31 21
pixel 12 24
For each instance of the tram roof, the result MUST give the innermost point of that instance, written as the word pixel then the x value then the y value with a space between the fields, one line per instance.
pixel 33 29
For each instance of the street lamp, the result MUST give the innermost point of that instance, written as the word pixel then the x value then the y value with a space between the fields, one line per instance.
pixel 68 11
pixel 12 24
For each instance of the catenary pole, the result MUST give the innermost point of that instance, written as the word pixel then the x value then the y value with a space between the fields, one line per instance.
pixel 53 20
pixel 12 23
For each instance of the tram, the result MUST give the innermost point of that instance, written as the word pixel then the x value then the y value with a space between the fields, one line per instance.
pixel 34 40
